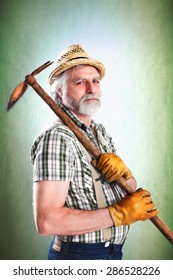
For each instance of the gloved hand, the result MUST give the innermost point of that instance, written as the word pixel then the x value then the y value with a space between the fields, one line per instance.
pixel 133 207
pixel 112 167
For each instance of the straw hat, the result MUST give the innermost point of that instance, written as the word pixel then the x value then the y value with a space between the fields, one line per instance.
pixel 72 56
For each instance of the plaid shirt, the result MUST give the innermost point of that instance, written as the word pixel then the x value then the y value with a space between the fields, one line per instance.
pixel 57 155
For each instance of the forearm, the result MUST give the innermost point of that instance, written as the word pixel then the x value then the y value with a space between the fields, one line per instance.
pixel 67 221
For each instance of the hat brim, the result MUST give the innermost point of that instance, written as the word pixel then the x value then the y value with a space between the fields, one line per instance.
pixel 75 62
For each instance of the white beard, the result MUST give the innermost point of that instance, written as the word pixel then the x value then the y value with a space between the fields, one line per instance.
pixel 83 107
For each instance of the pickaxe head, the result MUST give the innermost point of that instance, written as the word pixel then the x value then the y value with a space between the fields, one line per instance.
pixel 22 87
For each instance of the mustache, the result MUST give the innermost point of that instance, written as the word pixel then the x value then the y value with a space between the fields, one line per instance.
pixel 90 96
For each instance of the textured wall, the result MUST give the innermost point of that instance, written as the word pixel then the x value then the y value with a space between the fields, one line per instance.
pixel 134 40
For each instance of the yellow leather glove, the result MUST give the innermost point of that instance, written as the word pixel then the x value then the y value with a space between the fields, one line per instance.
pixel 112 167
pixel 134 207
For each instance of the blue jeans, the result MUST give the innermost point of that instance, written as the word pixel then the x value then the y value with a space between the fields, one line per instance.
pixel 85 251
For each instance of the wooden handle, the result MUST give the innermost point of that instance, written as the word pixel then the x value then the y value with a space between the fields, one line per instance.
pixel 29 79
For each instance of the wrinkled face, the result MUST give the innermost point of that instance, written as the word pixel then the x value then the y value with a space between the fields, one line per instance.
pixel 81 92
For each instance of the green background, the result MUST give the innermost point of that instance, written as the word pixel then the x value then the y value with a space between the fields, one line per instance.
pixel 134 39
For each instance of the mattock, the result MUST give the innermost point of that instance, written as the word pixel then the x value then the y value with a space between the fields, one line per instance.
pixel 90 147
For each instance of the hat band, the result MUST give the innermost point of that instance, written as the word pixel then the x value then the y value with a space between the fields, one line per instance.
pixel 74 58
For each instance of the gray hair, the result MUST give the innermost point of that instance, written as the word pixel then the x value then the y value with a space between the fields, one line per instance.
pixel 59 83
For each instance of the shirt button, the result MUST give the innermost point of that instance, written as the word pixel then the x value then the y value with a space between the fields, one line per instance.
pixel 107 244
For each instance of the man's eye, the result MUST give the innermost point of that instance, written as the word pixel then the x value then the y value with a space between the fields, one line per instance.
pixel 96 81
pixel 80 82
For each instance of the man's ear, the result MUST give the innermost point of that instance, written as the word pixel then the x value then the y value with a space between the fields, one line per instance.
pixel 59 92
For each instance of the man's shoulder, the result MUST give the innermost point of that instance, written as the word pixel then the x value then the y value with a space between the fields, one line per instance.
pixel 56 128
pixel 53 131
pixel 61 129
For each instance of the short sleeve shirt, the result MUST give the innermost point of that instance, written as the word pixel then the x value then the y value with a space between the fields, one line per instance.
pixel 57 154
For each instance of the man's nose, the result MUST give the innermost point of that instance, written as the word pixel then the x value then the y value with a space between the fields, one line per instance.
pixel 90 88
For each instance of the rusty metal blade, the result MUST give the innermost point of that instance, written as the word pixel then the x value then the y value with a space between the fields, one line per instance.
pixel 41 68
pixel 16 94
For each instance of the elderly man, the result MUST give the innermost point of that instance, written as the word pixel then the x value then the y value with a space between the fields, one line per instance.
pixel 77 199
